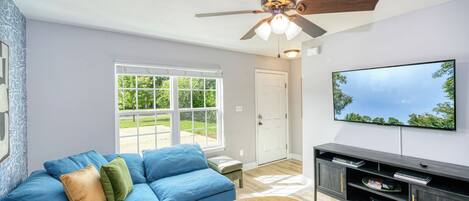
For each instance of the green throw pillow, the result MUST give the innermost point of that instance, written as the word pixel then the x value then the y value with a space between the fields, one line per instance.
pixel 116 180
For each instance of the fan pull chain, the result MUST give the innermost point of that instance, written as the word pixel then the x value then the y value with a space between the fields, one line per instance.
pixel 278 48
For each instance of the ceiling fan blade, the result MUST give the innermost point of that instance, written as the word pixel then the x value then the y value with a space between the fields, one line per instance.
pixel 229 13
pixel 308 27
pixel 252 32
pixel 307 7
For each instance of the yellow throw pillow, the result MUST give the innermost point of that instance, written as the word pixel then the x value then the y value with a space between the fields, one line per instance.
pixel 83 185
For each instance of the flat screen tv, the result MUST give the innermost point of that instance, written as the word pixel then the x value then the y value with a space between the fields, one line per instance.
pixel 419 95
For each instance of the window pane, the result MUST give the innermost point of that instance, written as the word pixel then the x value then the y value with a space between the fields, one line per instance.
pixel 161 82
pixel 129 100
pixel 145 99
pixel 164 123
pixel 185 127
pixel 120 99
pixel 184 82
pixel 186 137
pixel 120 81
pixel 127 125
pixel 162 99
pixel 199 119
pixel 145 82
pixel 211 84
pixel 185 122
pixel 163 140
pixel 200 137
pixel 128 81
pixel 197 99
pixel 212 136
pixel 184 99
pixel 128 145
pixel 147 142
pixel 147 124
pixel 211 118
pixel 210 99
pixel 198 83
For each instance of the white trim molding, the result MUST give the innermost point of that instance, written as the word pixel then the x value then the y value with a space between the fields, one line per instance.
pixel 250 166
pixel 294 156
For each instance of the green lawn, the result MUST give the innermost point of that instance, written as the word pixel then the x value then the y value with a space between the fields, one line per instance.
pixel 186 125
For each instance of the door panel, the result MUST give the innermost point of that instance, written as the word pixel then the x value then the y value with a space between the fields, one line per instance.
pixel 272 122
pixel 331 178
pixel 420 193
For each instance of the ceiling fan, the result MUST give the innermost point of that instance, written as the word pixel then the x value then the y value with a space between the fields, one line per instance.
pixel 292 25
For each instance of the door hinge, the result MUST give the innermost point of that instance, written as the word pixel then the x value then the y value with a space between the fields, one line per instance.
pixel 286 116
pixel 285 85
pixel 286 146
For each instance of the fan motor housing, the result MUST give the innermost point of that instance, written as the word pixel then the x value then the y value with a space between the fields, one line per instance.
pixel 269 5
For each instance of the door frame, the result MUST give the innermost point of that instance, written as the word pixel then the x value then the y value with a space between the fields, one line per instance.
pixel 285 74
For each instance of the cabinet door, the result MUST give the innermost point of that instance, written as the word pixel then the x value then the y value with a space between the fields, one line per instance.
pixel 420 193
pixel 330 178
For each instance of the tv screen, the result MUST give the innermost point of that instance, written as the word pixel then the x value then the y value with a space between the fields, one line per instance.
pixel 414 95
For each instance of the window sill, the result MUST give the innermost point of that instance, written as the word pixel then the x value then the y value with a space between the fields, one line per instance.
pixel 210 150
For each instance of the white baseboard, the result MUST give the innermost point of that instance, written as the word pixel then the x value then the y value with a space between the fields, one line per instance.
pixel 295 156
pixel 249 166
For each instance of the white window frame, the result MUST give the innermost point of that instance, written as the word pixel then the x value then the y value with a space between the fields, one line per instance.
pixel 174 111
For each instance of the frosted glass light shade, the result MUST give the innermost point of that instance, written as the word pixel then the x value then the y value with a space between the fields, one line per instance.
pixel 292 53
pixel 292 31
pixel 264 31
pixel 279 24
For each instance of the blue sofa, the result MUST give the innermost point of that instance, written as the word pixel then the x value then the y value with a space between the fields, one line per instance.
pixel 177 173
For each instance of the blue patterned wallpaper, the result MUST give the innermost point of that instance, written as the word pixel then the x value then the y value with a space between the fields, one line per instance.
pixel 13 32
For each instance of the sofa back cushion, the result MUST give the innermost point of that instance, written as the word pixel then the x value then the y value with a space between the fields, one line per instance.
pixel 172 161
pixel 40 186
pixel 56 168
pixel 135 164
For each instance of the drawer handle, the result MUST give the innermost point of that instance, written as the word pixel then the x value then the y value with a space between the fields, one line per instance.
pixel 341 182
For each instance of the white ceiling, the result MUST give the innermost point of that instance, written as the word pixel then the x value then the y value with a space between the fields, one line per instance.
pixel 174 19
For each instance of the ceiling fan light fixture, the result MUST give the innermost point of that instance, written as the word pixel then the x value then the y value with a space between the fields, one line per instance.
pixel 292 31
pixel 264 31
pixel 279 24
pixel 292 53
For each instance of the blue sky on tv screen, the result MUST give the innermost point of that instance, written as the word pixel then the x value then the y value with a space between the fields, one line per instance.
pixel 394 92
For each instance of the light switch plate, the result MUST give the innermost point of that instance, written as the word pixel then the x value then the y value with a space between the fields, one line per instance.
pixel 239 108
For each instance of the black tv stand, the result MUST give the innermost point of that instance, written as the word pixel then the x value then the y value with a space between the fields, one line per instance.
pixel 449 182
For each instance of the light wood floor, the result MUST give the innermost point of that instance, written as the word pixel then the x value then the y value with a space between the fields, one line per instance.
pixel 283 178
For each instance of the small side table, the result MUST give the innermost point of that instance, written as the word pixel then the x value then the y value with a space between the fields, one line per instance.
pixel 228 167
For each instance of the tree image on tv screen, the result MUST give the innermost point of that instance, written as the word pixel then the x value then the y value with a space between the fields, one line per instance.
pixel 445 109
pixel 440 116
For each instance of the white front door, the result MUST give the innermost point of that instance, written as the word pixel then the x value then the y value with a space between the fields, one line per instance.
pixel 271 104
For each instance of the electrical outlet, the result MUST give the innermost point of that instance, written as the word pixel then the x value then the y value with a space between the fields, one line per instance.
pixel 241 152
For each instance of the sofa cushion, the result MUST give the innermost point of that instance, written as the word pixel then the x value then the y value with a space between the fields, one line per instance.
pixel 34 189
pixel 172 161
pixel 83 185
pixel 191 186
pixel 56 168
pixel 135 164
pixel 116 180
pixel 141 192
pixel 225 196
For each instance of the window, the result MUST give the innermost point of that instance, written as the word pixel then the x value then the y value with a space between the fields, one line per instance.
pixel 156 110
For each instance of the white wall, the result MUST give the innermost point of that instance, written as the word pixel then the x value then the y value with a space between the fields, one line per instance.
pixel 70 84
pixel 435 33
pixel 295 109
